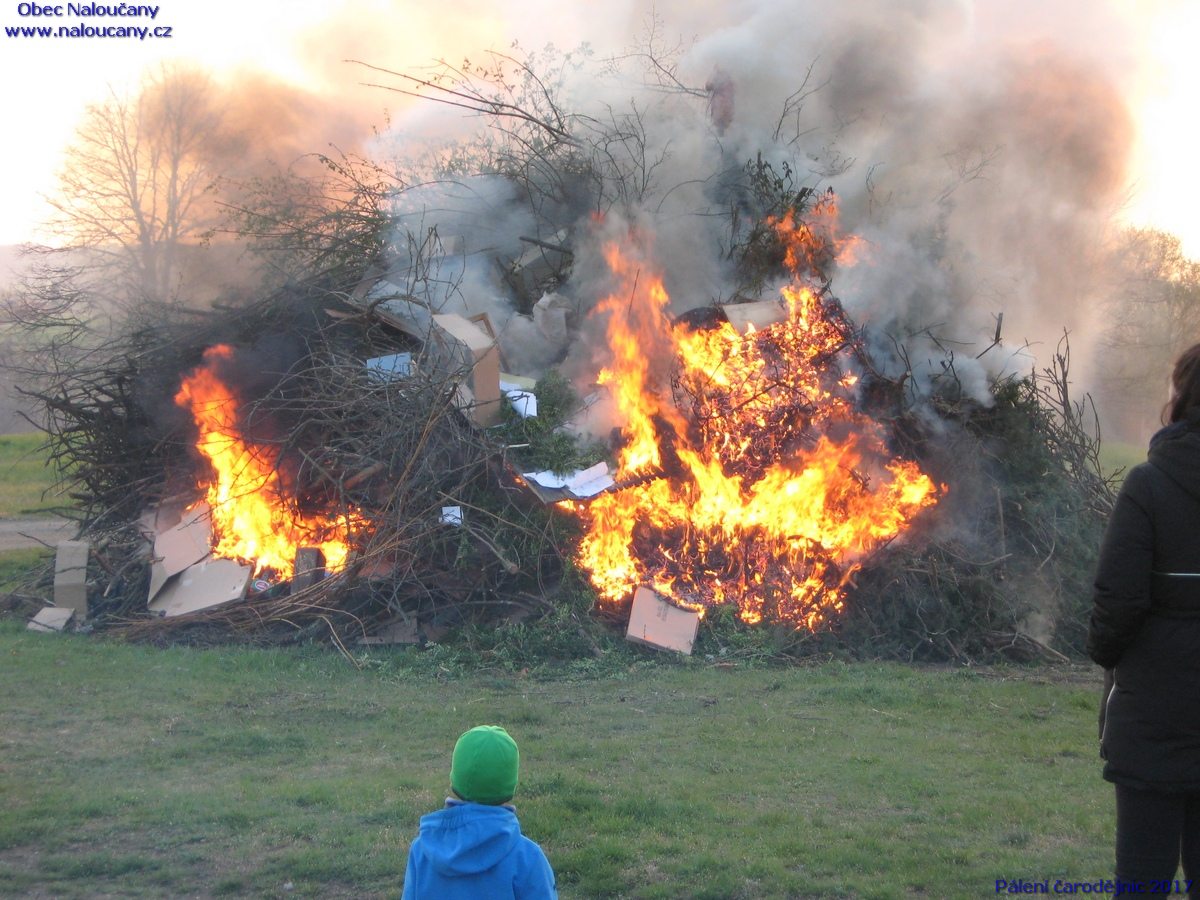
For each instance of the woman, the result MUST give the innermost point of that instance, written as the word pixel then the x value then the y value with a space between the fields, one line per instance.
pixel 1145 625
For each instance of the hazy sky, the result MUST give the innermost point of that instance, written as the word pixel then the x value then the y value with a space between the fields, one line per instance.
pixel 47 82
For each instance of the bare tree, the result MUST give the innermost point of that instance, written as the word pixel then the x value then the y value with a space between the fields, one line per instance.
pixel 1155 315
pixel 135 183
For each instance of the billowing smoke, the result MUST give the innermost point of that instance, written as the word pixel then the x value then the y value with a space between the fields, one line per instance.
pixel 983 160
pixel 981 150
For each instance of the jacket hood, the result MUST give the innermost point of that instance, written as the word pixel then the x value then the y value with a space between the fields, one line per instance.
pixel 468 838
pixel 1175 450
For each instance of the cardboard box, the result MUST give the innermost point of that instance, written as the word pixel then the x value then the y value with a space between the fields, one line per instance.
pixel 657 623
pixel 464 346
pixel 70 576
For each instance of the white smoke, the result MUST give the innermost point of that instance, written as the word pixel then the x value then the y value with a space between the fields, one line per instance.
pixel 981 149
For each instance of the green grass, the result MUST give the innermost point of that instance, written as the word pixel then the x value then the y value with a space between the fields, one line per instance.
pixel 25 478
pixel 15 565
pixel 1115 456
pixel 139 772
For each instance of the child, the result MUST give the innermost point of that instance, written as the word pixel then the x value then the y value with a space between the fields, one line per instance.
pixel 474 849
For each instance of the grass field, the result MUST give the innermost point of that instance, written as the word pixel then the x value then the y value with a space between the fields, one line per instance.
pixel 1116 456
pixel 24 477
pixel 139 772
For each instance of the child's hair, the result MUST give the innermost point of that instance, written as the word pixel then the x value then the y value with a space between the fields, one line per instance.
pixel 485 766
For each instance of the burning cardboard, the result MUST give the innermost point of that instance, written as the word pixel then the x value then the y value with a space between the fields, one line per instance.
pixel 656 623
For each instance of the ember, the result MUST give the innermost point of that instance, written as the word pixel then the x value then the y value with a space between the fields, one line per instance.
pixel 252 517
pixel 758 483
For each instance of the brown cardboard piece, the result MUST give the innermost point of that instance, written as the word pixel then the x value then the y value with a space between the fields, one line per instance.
pixel 51 618
pixel 70 576
pixel 204 585
pixel 185 543
pixel 656 623
pixel 467 347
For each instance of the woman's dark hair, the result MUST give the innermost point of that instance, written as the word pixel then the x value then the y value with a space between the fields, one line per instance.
pixel 1185 385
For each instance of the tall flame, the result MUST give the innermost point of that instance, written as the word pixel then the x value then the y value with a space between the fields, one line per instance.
pixel 768 488
pixel 251 516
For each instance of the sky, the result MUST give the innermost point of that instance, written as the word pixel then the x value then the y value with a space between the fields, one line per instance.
pixel 48 82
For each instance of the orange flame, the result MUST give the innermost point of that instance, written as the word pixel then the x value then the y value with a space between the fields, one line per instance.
pixel 771 488
pixel 251 518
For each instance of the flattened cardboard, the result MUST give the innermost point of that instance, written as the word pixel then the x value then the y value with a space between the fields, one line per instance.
pixel 578 485
pixel 51 618
pixel 187 542
pixel 70 576
pixel 465 345
pixel 656 623
pixel 163 517
pixel 158 577
pixel 761 314
pixel 205 585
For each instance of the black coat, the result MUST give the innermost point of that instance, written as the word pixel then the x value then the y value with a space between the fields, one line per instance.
pixel 1145 619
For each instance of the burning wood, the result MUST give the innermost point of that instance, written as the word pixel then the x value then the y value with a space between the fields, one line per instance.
pixel 252 516
pixel 782 486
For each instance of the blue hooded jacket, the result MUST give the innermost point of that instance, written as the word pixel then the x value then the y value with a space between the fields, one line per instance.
pixel 471 851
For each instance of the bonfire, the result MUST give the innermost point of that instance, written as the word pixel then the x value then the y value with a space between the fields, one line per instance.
pixel 756 482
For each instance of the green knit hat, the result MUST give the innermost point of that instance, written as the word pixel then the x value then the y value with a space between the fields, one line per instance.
pixel 485 765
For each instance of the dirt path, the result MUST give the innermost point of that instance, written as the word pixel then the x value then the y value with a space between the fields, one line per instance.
pixel 19 534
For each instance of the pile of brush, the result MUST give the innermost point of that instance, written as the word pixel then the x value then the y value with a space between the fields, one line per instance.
pixel 440 529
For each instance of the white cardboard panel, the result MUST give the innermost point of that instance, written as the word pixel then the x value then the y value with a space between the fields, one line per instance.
pixel 51 618
pixel 762 314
